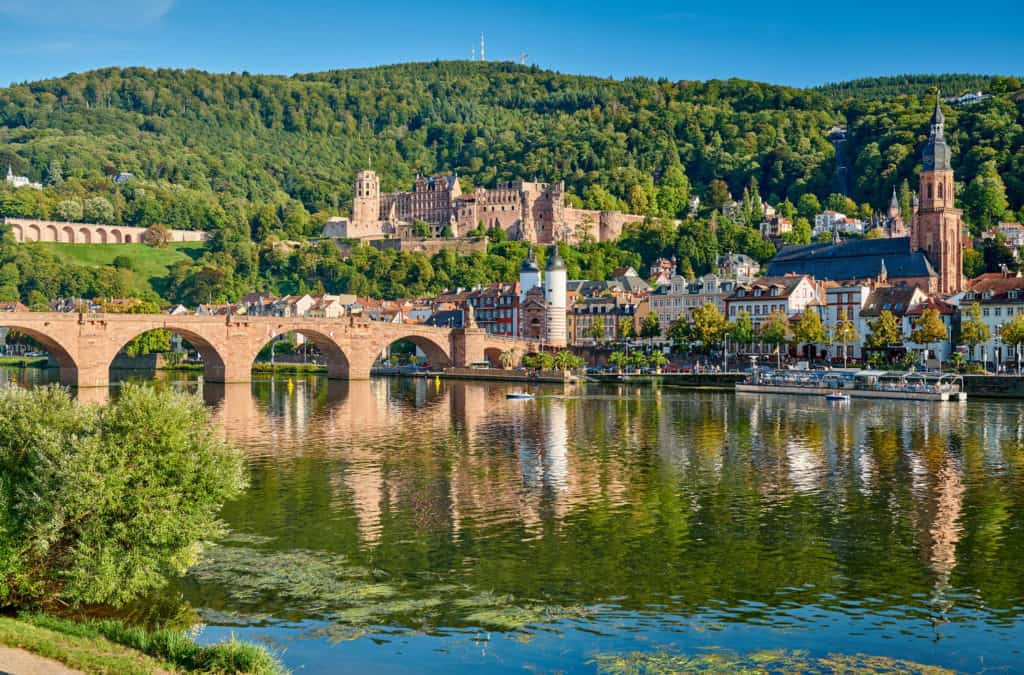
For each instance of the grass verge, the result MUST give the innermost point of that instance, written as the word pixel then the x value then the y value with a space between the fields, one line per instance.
pixel 111 646
pixel 286 368
pixel 24 361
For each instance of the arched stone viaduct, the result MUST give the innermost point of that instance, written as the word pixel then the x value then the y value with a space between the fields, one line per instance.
pixel 84 345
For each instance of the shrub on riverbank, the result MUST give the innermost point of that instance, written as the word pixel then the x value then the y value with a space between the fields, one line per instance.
pixel 99 505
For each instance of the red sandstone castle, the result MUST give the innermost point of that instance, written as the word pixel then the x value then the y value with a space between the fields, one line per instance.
pixel 526 211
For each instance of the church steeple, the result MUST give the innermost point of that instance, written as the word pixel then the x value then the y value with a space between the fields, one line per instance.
pixel 937 225
pixel 937 154
pixel 894 204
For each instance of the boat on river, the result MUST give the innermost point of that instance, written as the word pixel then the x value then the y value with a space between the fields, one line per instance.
pixel 853 383
pixel 519 395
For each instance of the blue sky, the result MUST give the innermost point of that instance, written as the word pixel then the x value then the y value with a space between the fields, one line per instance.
pixel 798 42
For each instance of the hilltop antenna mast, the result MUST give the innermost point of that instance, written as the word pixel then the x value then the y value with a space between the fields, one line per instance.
pixel 472 54
pixel 522 58
pixel 482 53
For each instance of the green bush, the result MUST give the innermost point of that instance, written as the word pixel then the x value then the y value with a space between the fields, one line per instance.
pixel 99 505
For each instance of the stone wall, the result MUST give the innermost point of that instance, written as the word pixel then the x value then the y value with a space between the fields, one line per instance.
pixel 29 229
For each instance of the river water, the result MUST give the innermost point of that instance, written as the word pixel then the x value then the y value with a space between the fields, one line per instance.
pixel 427 526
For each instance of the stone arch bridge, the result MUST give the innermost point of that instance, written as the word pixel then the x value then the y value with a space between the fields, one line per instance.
pixel 84 345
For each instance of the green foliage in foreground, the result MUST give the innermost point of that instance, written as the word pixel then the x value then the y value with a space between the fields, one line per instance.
pixel 173 646
pixel 767 661
pixel 99 505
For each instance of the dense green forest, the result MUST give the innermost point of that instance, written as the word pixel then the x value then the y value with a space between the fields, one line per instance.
pixel 257 159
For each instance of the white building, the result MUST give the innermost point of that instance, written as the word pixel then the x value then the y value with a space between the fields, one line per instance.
pixel 844 302
pixel 834 221
pixel 680 297
pixel 763 296
pixel 1001 298
pixel 20 181
pixel 555 281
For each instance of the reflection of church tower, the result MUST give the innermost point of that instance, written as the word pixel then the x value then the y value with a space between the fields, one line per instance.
pixel 555 298
pixel 937 224
pixel 366 202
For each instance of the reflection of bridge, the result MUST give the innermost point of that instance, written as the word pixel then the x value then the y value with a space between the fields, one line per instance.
pixel 84 345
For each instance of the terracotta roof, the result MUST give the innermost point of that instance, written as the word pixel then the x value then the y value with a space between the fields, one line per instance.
pixel 932 302
pixel 995 288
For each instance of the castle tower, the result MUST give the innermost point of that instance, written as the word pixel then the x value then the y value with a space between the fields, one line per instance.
pixel 937 226
pixel 529 275
pixel 366 202
pixel 555 295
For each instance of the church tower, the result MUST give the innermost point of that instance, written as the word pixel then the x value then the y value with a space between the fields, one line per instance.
pixel 366 202
pixel 937 226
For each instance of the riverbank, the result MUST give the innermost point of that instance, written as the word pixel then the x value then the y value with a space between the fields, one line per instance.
pixel 24 361
pixel 113 647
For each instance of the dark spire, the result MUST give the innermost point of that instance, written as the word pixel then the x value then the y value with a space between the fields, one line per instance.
pixel 530 264
pixel 894 204
pixel 936 153
pixel 555 262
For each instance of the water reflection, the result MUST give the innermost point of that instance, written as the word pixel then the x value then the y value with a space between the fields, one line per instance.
pixel 800 524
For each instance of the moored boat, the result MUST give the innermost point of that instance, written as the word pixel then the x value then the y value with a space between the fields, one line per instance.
pixel 852 383
pixel 519 395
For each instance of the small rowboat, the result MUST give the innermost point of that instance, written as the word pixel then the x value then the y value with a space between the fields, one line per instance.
pixel 838 398
pixel 519 396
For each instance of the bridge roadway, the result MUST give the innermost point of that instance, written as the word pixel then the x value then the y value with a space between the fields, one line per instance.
pixel 84 345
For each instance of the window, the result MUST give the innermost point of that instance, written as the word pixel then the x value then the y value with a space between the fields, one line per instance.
pixel 984 311
pixel 998 311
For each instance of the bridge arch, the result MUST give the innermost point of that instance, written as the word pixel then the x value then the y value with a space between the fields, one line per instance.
pixel 337 361
pixel 214 366
pixel 65 361
pixel 493 355
pixel 437 354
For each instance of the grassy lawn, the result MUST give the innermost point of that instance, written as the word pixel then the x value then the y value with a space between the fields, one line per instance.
pixel 27 361
pixel 150 264
pixel 92 654
pixel 110 646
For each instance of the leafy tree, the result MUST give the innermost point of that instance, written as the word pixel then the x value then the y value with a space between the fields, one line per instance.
pixel 156 236
pixel 973 263
pixel 123 262
pixel 657 360
pixel 846 333
pixel 808 329
pixel 566 360
pixel 618 359
pixel 626 328
pixel 104 505
pixel 98 210
pixel 673 196
pixel 973 331
pixel 709 325
pixel 808 206
pixel 679 332
pixel 742 329
pixel 69 210
pixel 928 328
pixel 1012 333
pixel 885 331
pixel 650 327
pixel 984 199
pixel 420 229
pixel 596 330
pixel 774 330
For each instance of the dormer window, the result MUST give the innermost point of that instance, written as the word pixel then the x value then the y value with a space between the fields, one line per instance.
pixel 775 291
pixel 969 295
pixel 987 295
pixel 757 293
pixel 1013 295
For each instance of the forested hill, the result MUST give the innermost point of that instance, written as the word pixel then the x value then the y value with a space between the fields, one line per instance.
pixel 952 84
pixel 299 140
